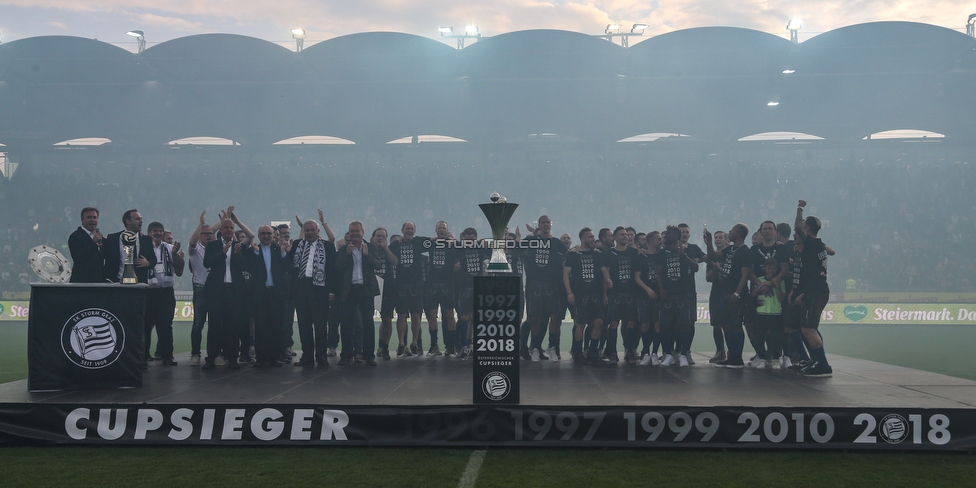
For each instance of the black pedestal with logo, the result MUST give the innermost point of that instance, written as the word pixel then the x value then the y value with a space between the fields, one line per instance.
pixel 496 321
pixel 85 336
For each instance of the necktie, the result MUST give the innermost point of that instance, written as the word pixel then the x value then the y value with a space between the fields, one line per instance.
pixel 305 256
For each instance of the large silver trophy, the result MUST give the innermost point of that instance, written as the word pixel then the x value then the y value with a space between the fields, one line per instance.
pixel 498 213
pixel 49 264
pixel 129 240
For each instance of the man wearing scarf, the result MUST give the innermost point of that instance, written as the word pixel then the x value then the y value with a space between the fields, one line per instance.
pixel 160 300
pixel 313 260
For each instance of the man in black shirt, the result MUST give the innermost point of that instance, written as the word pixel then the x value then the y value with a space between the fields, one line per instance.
pixel 387 262
pixel 767 248
pixel 675 280
pixel 715 299
pixel 440 286
pixel 605 241
pixel 470 262
pixel 733 277
pixel 696 254
pixel 812 293
pixel 410 287
pixel 620 268
pixel 583 278
pixel 648 311
pixel 543 263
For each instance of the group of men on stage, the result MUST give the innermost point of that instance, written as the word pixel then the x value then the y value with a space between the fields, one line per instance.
pixel 157 263
pixel 619 284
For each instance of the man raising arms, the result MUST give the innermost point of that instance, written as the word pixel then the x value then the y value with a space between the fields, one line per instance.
pixel 813 292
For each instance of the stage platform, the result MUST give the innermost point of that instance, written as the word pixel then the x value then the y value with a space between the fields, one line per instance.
pixel 447 381
pixel 428 401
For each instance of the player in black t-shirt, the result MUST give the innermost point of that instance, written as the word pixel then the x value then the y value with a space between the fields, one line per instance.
pixel 544 296
pixel 676 282
pixel 648 311
pixel 795 355
pixel 439 287
pixel 605 240
pixel 767 248
pixel 409 271
pixel 721 240
pixel 812 293
pixel 696 254
pixel 620 269
pixel 470 263
pixel 387 305
pixel 733 277
pixel 583 279
pixel 631 237
pixel 640 241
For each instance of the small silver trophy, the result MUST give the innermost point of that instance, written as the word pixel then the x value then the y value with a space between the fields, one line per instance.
pixel 498 213
pixel 129 239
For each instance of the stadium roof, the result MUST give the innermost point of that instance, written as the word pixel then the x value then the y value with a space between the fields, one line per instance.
pixel 713 84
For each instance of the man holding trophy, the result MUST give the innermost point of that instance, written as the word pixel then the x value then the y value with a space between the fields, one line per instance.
pixel 129 254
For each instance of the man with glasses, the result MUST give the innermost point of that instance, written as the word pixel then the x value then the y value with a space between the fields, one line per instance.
pixel 267 265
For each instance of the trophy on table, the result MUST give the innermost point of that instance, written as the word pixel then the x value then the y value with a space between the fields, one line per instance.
pixel 129 240
pixel 498 213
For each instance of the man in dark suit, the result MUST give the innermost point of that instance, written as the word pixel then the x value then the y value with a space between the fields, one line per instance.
pixel 313 260
pixel 269 277
pixel 85 245
pixel 112 250
pixel 225 290
pixel 356 288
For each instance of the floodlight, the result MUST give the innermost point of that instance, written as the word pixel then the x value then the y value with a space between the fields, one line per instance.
pixel 612 29
pixel 639 28
pixel 789 71
pixel 470 32
pixel 794 27
pixel 298 34
pixel 140 39
pixel 772 103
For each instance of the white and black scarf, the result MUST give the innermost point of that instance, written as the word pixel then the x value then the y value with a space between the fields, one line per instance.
pixel 167 267
pixel 318 260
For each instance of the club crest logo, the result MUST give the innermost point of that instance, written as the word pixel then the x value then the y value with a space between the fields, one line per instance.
pixel 893 428
pixel 92 338
pixel 496 385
